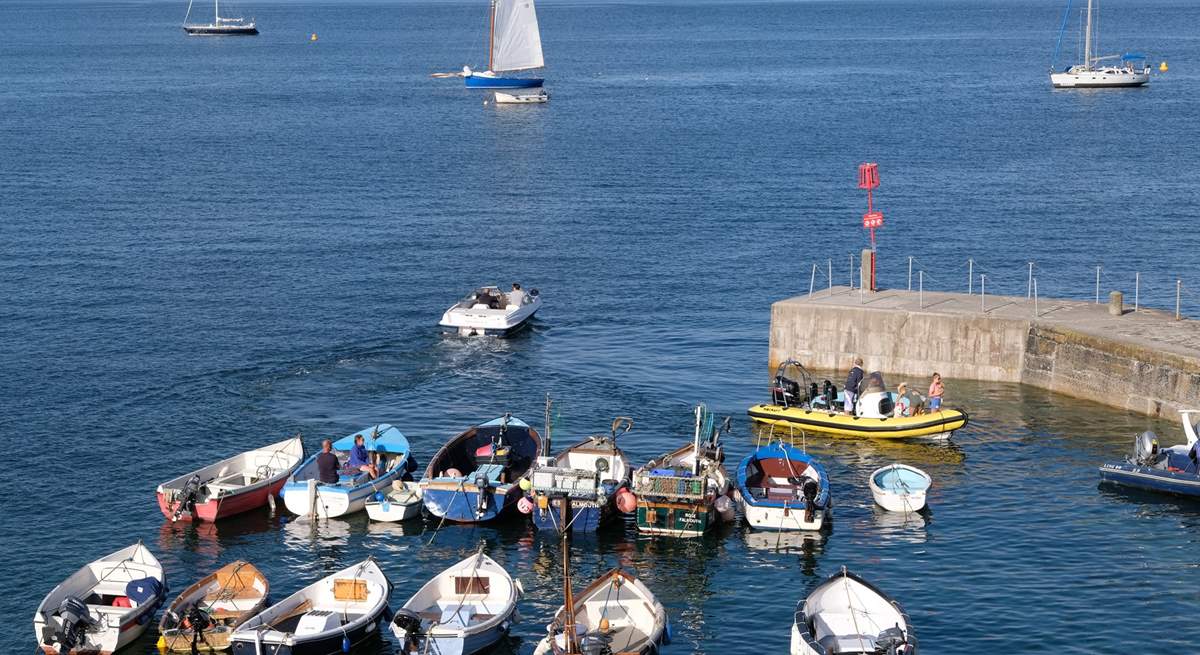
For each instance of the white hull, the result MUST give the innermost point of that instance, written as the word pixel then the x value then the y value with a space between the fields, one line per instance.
pixel 521 99
pixel 402 504
pixel 468 318
pixel 847 615
pixel 330 502
pixel 896 497
pixel 782 518
pixel 1099 79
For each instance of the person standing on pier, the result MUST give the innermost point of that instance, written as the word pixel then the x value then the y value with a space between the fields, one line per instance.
pixel 936 391
pixel 853 380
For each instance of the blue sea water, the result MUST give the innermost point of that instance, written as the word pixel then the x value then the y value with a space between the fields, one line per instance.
pixel 208 244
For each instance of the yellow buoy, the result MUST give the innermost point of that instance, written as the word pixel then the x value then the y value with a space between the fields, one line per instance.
pixel 162 643
pixel 313 37
pixel 1162 68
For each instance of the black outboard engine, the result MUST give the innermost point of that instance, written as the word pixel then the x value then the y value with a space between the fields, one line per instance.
pixel 890 641
pixel 786 392
pixel 186 498
pixel 481 481
pixel 596 644
pixel 1145 449
pixel 199 621
pixel 73 622
pixel 810 488
pixel 410 622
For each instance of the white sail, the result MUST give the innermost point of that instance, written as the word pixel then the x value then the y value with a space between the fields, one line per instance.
pixel 518 43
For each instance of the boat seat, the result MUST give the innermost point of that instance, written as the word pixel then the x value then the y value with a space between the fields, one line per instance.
pixel 353 478
pixel 838 632
pixel 494 472
pixel 456 616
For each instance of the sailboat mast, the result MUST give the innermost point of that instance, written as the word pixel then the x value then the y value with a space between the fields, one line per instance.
pixel 570 642
pixel 217 12
pixel 492 33
pixel 1087 39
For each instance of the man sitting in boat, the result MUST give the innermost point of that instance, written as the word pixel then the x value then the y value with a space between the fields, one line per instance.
pixel 327 464
pixel 360 459
pixel 516 296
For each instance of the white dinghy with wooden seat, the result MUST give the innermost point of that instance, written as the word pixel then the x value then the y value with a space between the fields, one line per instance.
pixel 900 487
pixel 402 503
pixel 465 609
pixel 332 615
pixel 233 485
pixel 614 614
pixel 202 618
pixel 847 615
pixel 104 606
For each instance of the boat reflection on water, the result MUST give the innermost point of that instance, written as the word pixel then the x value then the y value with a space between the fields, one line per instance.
pixel 919 452
pixel 301 531
pixel 415 527
pixel 901 527
pixel 211 538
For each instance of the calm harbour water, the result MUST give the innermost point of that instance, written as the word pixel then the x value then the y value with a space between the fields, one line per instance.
pixel 208 244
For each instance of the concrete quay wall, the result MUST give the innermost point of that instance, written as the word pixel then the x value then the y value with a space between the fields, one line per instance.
pixel 1145 362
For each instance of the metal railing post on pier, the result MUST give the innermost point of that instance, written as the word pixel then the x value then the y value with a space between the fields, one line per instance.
pixel 1097 285
pixel 1137 287
pixel 921 289
pixel 812 281
pixel 852 271
pixel 983 293
pixel 1035 298
pixel 1178 289
pixel 1029 284
pixel 970 276
pixel 830 277
pixel 910 272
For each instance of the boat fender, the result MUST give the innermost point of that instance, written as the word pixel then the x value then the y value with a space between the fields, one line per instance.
pixel 524 505
pixel 345 643
pixel 626 501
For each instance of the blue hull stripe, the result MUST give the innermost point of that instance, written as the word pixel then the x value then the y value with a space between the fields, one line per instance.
pixel 1152 479
pixel 481 82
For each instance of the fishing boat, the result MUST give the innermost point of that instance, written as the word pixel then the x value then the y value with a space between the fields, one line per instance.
pixel 1173 470
pixel 686 492
pixel 615 614
pixel 501 98
pixel 102 607
pixel 402 503
pixel 231 486
pixel 490 311
pixel 514 45
pixel 578 489
pixel 465 609
pixel 1126 70
pixel 900 487
pixel 848 615
pixel 798 403
pixel 474 477
pixel 305 495
pixel 331 615
pixel 203 617
pixel 221 25
pixel 783 488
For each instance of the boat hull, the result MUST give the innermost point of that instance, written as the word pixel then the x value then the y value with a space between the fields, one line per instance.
pixel 489 82
pixel 1099 80
pixel 223 30
pixel 332 501
pixel 225 506
pixel 466 644
pixel 585 517
pixel 460 503
pixel 939 424
pixel 676 519
pixel 330 645
pixel 765 517
pixel 1152 479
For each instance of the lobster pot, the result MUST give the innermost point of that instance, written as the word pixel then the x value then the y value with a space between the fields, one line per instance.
pixel 564 482
pixel 671 486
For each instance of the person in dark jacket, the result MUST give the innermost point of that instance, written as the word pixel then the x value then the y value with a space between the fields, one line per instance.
pixel 853 380
pixel 327 464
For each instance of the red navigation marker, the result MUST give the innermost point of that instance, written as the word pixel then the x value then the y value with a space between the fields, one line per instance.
pixel 868 178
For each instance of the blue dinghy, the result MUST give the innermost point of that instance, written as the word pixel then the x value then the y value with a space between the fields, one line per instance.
pixel 387 448
pixel 783 488
pixel 1173 470
pixel 473 478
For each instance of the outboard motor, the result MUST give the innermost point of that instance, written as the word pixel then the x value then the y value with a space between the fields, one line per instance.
pixel 481 482
pixel 73 622
pixel 597 643
pixel 786 391
pixel 198 621
pixel 810 489
pixel 890 641
pixel 186 498
pixel 1145 449
pixel 408 624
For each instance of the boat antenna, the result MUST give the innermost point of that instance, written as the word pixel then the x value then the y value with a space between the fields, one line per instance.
pixel 696 441
pixel 546 441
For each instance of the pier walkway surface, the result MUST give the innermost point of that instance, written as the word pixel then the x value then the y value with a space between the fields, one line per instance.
pixel 1144 361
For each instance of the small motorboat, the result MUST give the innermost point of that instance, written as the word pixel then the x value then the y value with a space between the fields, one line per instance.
pixel 579 488
pixel 848 615
pixel 388 449
pixel 203 617
pixel 797 402
pixel 402 503
pixel 490 311
pixel 104 606
pixel 900 487
pixel 783 488
pixel 465 609
pixel 686 492
pixel 502 98
pixel 231 486
pixel 474 477
pixel 331 615
pixel 1173 470
pixel 615 614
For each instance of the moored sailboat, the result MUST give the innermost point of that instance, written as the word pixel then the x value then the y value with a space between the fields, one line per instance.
pixel 514 45
pixel 221 26
pixel 1121 71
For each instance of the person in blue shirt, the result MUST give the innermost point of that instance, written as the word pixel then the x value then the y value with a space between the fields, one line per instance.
pixel 360 459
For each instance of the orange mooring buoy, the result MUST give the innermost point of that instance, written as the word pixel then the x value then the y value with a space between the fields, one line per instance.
pixel 1162 68
pixel 313 37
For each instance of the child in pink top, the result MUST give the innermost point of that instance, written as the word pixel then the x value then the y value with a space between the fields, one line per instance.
pixel 936 391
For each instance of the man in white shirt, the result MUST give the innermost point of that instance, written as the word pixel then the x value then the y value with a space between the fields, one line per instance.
pixel 516 296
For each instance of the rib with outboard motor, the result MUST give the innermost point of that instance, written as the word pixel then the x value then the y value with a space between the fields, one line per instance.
pixel 1173 470
pixel 846 615
pixel 104 606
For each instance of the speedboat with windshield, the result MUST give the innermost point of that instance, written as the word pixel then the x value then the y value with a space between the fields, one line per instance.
pixel 490 311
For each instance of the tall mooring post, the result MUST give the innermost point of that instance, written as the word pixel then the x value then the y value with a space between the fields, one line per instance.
pixel 868 179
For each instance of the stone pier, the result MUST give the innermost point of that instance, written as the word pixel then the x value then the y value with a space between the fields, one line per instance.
pixel 1144 361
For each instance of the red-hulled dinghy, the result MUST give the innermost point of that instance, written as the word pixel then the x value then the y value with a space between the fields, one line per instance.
pixel 231 486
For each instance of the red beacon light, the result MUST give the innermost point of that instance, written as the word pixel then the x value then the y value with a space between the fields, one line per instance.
pixel 868 179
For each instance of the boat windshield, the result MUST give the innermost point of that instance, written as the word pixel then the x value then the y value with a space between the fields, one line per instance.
pixel 873 383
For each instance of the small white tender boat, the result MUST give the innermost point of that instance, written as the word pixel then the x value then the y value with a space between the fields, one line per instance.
pixel 103 606
pixel 614 614
pixel 502 98
pixel 402 503
pixel 331 615
pixel 490 311
pixel 847 615
pixel 900 487
pixel 464 609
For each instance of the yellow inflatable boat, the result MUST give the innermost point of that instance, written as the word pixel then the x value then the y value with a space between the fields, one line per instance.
pixel 799 404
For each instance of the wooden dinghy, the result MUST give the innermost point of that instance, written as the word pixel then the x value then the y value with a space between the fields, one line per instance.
pixel 847 615
pixel 102 607
pixel 231 486
pixel 615 614
pixel 331 615
pixel 205 615
pixel 465 609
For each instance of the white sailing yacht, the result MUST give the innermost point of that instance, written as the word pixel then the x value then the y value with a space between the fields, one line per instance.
pixel 220 26
pixel 514 44
pixel 1122 71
